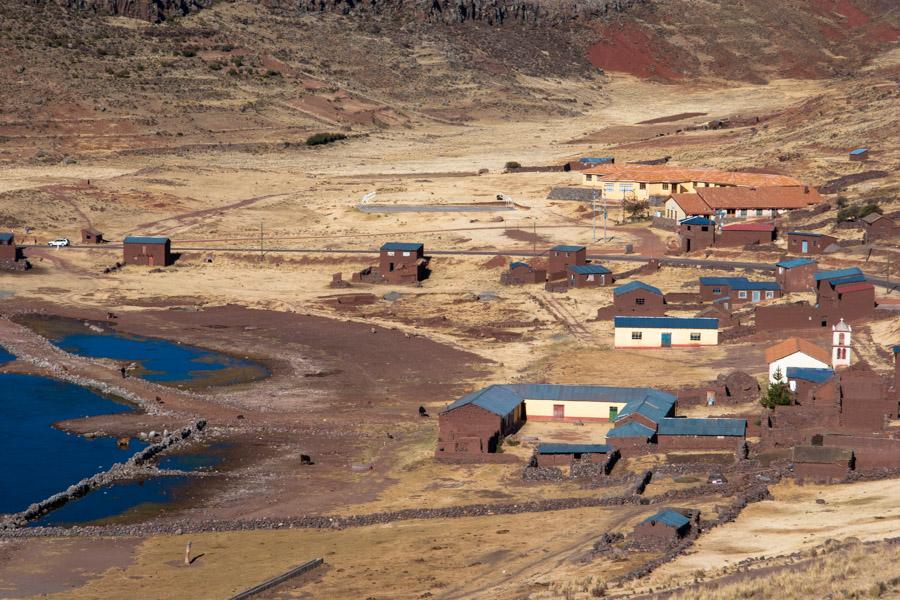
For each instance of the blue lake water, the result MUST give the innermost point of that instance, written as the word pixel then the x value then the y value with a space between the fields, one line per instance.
pixel 159 360
pixel 6 356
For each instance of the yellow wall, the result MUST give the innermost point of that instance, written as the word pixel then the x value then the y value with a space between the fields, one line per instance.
pixel 572 409
pixel 652 338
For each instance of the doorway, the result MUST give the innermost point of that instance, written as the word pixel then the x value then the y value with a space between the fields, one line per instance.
pixel 559 411
pixel 613 413
pixel 666 340
pixel 804 247
pixel 756 295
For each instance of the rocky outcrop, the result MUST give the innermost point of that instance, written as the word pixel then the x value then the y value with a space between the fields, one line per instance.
pixel 154 11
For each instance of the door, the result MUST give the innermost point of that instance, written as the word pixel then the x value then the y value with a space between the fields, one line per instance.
pixel 756 295
pixel 687 246
pixel 613 412
pixel 150 260
pixel 804 247
pixel 666 340
pixel 559 411
pixel 390 266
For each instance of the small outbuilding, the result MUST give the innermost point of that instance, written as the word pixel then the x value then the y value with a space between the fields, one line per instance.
pixel 822 463
pixel 878 226
pixel 666 527
pixel 746 234
pixel 560 257
pixel 402 262
pixel 557 455
pixel 148 251
pixel 7 247
pixel 739 290
pixel 639 298
pixel 796 275
pixel 89 235
pixel 807 242
pixel 859 154
pixel 582 276
pixel 521 273
pixel 696 233
pixel 678 433
pixel 664 332
pixel 845 293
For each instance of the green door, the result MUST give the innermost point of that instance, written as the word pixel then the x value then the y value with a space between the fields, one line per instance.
pixel 613 413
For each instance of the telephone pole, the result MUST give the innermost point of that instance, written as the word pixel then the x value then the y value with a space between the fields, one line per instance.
pixel 261 251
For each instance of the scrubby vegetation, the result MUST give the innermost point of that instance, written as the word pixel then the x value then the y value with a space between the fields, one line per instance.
pixel 853 212
pixel 318 139
pixel 777 392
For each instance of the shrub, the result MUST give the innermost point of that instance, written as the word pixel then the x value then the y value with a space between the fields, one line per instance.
pixel 858 211
pixel 512 165
pixel 318 139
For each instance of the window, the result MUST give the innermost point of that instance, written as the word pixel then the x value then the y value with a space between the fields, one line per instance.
pixel 590 277
pixel 642 186
pixel 759 212
pixel 743 212
pixel 626 187
pixel 639 301
pixel 406 254
pixel 391 253
pixel 731 211
pixel 665 186
pixel 704 228
pixel 636 335
pixel 717 290
pixel 770 294
pixel 589 177
pixel 609 188
pixel 742 294
pixel 781 270
pixel 695 337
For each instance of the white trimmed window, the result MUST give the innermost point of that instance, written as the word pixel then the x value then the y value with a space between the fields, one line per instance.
pixel 406 254
pixel 626 187
pixel 695 337
pixel 390 253
pixel 636 335
pixel 770 294
pixel 742 294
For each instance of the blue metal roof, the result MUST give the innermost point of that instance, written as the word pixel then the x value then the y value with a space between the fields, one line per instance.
pixel 5 237
pixel 850 279
pixel 837 273
pixel 498 399
pixel 629 430
pixel 808 233
pixel 636 285
pixel 401 247
pixel 564 248
pixel 809 374
pixel 696 221
pixel 573 449
pixel 669 517
pixel 796 262
pixel 740 283
pixel 896 348
pixel 684 426
pixel 667 322
pixel 652 407
pixel 859 151
pixel 589 269
pixel 596 161
pixel 519 263
pixel 143 239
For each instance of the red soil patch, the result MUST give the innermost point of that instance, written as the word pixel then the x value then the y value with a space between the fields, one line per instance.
pixel 627 48
pixel 494 263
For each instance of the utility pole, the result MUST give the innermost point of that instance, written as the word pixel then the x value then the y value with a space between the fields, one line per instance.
pixel 594 214
pixel 605 217
pixel 533 235
pixel 261 251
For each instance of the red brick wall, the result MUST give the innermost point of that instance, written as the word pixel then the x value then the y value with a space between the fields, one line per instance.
pixel 558 261
pixel 820 472
pixel 466 424
pixel 728 238
pixel 797 279
pixel 697 442
pixel 653 303
pixel 146 254
pixel 871 452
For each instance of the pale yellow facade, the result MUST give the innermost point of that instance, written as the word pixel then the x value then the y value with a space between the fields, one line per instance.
pixel 543 410
pixel 647 337
pixel 640 190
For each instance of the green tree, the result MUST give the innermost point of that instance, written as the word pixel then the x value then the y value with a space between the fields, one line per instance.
pixel 636 209
pixel 777 392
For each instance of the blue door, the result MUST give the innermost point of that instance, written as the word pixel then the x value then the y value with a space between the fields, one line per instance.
pixel 804 247
pixel 666 340
pixel 756 295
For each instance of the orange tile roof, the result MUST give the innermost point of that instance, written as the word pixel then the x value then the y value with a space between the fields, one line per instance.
pixel 795 196
pixel 662 174
pixel 692 204
pixel 792 345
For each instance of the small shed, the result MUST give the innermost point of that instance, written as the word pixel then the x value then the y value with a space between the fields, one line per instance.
pixel 582 276
pixel 796 275
pixel 89 235
pixel 679 433
pixel 639 297
pixel 555 455
pixel 878 226
pixel 808 242
pixel 560 257
pixel 665 527
pixel 746 234
pixel 7 247
pixel 696 233
pixel 521 273
pixel 147 250
pixel 822 463
pixel 402 262
pixel 859 154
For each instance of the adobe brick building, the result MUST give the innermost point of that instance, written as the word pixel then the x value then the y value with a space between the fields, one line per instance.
pixel 560 455
pixel 8 251
pixel 89 235
pixel 696 233
pixel 845 293
pixel 745 234
pixel 521 273
pixel 639 298
pixel 147 251
pixel 877 226
pixel 666 527
pixel 560 257
pixel 401 262
pixel 808 243
pixel 700 434
pixel 584 276
pixel 739 290
pixel 477 422
pixel 796 275
pixel 822 463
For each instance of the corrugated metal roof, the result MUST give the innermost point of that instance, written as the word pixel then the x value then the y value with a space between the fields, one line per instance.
pixel 740 283
pixel 564 248
pixel 806 233
pixel 668 517
pixel 573 449
pixel 654 408
pixel 795 262
pixel 5 237
pixel 896 348
pixel 519 263
pixel 498 399
pixel 840 281
pixel 402 247
pixel 809 374
pixel 667 322
pixel 589 269
pixel 629 430
pixel 707 427
pixel 696 221
pixel 859 151
pixel 636 285
pixel 837 273
pixel 597 161
pixel 143 239
pixel 857 286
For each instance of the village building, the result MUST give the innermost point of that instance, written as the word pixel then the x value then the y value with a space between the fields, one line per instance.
pixel 665 528
pixel 807 242
pixel 147 251
pixel 863 397
pixel 582 276
pixel 822 463
pixel 878 226
pixel 720 309
pixel 639 298
pixel 560 257
pixel 664 332
pixel 402 262
pixel 739 290
pixel 696 233
pixel 796 275
pixel 679 433
pixel 742 202
pixel 802 380
pixel 521 273
pixel 8 250
pixel 845 294
pixel 797 353
pixel 859 154
pixel 559 455
pixel 477 422
pixel 89 235
pixel 642 182
pixel 745 234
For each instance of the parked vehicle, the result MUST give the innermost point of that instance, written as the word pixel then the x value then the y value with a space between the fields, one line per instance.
pixel 58 243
